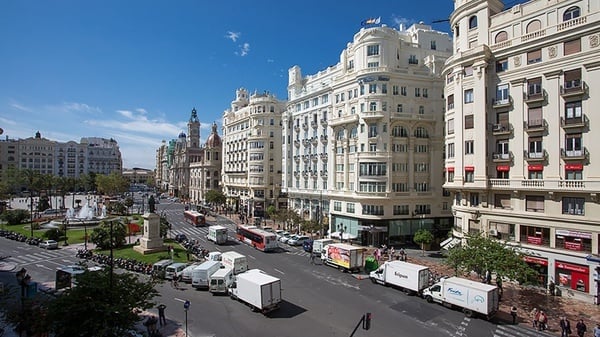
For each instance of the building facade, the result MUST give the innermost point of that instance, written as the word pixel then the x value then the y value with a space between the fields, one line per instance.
pixel 252 153
pixel 363 139
pixel 520 91
pixel 205 169
pixel 181 152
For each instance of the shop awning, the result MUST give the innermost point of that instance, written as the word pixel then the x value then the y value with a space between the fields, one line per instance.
pixel 450 243
pixel 345 236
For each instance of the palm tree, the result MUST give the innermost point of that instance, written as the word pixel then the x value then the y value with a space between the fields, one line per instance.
pixel 32 181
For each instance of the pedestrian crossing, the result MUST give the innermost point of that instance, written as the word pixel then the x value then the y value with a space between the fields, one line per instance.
pixel 519 331
pixel 43 256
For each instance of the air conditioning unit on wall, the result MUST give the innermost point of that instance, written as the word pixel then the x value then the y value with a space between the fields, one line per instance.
pixel 493 232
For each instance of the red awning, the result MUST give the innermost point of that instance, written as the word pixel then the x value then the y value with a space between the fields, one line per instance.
pixel 450 168
pixel 469 168
pixel 503 168
pixel 574 167
pixel 536 167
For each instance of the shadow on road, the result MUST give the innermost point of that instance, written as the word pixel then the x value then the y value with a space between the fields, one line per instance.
pixel 286 310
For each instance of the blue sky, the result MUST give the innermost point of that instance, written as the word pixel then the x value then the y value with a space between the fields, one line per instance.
pixel 133 70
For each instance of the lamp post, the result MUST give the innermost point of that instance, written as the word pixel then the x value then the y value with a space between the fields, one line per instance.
pixel 66 224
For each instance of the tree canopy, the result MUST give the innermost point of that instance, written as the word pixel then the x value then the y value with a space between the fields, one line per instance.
pixel 215 197
pixel 423 237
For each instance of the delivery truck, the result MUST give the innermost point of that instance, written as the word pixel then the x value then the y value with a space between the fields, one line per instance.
pixel 236 261
pixel 260 291
pixel 409 277
pixel 319 245
pixel 343 256
pixel 220 281
pixel 473 297
pixel 217 234
pixel 202 273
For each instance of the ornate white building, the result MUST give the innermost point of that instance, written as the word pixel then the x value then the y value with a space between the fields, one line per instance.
pixel 205 169
pixel 251 172
pixel 363 139
pixel 520 92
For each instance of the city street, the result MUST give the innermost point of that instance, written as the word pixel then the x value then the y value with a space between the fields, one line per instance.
pixel 318 300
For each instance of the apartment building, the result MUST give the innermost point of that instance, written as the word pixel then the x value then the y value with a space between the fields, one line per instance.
pixel 205 169
pixel 363 139
pixel 252 154
pixel 520 91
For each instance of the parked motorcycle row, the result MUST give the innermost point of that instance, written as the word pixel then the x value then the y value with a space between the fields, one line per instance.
pixel 194 248
pixel 123 263
pixel 20 237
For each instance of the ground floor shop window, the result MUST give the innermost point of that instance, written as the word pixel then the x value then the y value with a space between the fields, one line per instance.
pixel 573 276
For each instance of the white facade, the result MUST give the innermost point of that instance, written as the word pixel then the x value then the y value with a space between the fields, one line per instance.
pixel 363 139
pixel 519 131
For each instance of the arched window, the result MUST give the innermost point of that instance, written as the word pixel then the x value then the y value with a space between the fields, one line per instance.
pixel 533 26
pixel 473 22
pixel 502 36
pixel 571 13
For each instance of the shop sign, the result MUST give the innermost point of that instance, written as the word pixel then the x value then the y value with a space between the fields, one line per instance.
pixel 534 240
pixel 571 267
pixel 573 245
pixel 536 260
pixel 573 234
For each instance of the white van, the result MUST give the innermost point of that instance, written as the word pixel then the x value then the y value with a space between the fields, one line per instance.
pixel 319 246
pixel 201 273
pixel 214 256
pixel 220 281
pixel 159 268
pixel 217 234
pixel 174 269
pixel 186 274
pixel 236 261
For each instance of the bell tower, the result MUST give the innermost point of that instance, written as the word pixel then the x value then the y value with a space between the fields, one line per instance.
pixel 193 139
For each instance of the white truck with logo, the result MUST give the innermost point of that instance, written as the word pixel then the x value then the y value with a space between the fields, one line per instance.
pixel 474 298
pixel 409 277
pixel 202 273
pixel 217 234
pixel 319 246
pixel 260 291
pixel 343 256
pixel 236 261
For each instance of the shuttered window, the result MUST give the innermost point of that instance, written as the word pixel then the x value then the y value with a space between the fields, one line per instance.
pixel 502 201
pixel 534 26
pixel 468 121
pixel 534 86
pixel 534 56
pixel 534 203
pixel 451 126
pixel 572 75
pixel 469 71
pixel 535 117
pixel 451 102
pixel 502 118
pixel 572 47
pixel 502 36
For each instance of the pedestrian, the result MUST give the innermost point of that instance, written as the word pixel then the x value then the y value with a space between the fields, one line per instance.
pixel 513 313
pixel 402 254
pixel 581 328
pixel 312 257
pixel 551 287
pixel 565 327
pixel 161 314
pixel 597 330
pixel 543 321
pixel 391 254
pixel 535 317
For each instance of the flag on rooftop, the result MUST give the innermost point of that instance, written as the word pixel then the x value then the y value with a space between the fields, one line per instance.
pixel 371 21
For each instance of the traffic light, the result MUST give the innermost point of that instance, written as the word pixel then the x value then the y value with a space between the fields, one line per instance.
pixel 367 321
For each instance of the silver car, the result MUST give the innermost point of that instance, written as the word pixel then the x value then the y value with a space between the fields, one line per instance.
pixel 48 244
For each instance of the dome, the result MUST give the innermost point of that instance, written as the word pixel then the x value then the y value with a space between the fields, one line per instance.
pixel 182 135
pixel 213 139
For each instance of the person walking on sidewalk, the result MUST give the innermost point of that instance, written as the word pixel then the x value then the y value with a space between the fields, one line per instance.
pixel 597 330
pixel 513 313
pixel 565 327
pixel 581 328
pixel 535 316
pixel 161 315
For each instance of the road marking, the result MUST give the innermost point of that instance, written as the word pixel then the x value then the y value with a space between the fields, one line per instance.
pixel 279 271
pixel 252 257
pixel 179 299
pixel 42 266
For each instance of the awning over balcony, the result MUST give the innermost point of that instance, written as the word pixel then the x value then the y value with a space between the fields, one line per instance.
pixel 450 243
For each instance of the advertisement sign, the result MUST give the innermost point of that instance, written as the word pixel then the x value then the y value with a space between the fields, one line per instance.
pixel 573 245
pixel 536 260
pixel 339 256
pixel 534 240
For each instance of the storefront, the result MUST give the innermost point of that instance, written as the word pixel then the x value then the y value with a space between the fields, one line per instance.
pixel 573 276
pixel 540 265
pixel 573 240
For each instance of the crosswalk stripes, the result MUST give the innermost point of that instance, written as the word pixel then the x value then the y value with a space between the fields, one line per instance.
pixel 519 331
pixel 36 257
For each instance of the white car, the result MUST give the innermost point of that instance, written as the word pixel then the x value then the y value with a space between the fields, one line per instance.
pixel 298 241
pixel 282 235
pixel 287 239
pixel 48 244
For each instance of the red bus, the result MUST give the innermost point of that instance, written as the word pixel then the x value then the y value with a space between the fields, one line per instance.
pixel 257 238
pixel 194 218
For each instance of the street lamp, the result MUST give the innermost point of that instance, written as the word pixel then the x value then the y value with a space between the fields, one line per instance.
pixel 66 223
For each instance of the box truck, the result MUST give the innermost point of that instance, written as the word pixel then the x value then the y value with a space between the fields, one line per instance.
pixel 319 245
pixel 409 277
pixel 201 274
pixel 260 291
pixel 343 256
pixel 217 234
pixel 220 281
pixel 471 296
pixel 236 261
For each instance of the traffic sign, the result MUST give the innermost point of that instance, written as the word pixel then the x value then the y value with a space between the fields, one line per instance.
pixel 186 304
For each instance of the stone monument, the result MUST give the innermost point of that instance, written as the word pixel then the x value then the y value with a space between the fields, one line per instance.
pixel 150 242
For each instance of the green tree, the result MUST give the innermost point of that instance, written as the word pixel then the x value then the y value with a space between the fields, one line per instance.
pixel 481 254
pixel 423 237
pixel 215 197
pixel 101 235
pixel 102 304
pixel 112 184
pixel 128 202
pixel 15 216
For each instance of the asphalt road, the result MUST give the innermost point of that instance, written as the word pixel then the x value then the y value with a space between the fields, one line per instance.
pixel 318 300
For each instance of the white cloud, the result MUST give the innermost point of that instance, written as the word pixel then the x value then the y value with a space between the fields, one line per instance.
pixel 270 61
pixel 244 49
pixel 75 107
pixel 398 20
pixel 233 36
pixel 20 107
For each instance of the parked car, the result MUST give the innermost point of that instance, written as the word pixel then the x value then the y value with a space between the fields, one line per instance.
pixel 282 236
pixel 48 244
pixel 180 237
pixel 307 246
pixel 288 238
pixel 298 241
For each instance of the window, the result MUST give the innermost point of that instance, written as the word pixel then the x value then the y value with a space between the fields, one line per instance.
pixel 425 93
pixel 350 207
pixel 469 176
pixel 417 92
pixel 399 108
pixel 534 87
pixel 572 47
pixel 572 79
pixel 571 13
pixel 395 90
pixel 372 130
pixel 337 206
pixel 534 56
pixel 573 112
pixel 502 94
pixel 373 106
pixel 373 65
pixel 468 71
pixel 573 173
pixel 469 147
pixel 502 151
pixel 372 50
pixel 534 118
pixel 372 210
pixel 450 176
pixel 421 132
pixel 502 201
pixel 533 26
pixel 573 206
pixel 372 88
pixel 403 91
pixel 450 128
pixel 401 209
pixel 469 121
pixel 412 59
pixel 469 96
pixel 573 146
pixel 384 88
pixel 501 65
pixel 432 45
pixel 473 22
pixel 450 100
pixel 534 203
pixel 450 151
pixel 534 174
pixel 535 148
pixel 500 37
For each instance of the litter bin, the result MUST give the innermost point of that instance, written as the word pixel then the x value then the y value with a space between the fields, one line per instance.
pixel 371 264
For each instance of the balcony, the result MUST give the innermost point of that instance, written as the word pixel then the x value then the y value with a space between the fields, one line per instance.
pixel 314 140
pixel 573 88
pixel 305 174
pixel 568 155
pixel 352 118
pixel 574 122
pixel 314 124
pixel 297 143
pixel 536 156
pixel 314 157
pixel 498 103
pixel 324 156
pixel 499 157
pixel 297 158
pixel 297 128
pixel 324 139
pixel 304 126
pixel 323 174
pixel 296 173
pixel 313 174
pixel 535 125
pixel 372 115
pixel 324 122
pixel 535 97
pixel 305 158
pixel 502 129
pixel 306 142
